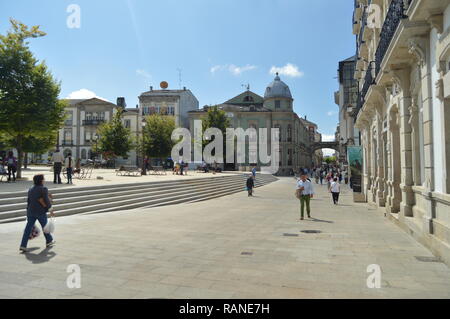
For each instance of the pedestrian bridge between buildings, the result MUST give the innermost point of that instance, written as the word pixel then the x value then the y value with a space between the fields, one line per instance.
pixel 321 145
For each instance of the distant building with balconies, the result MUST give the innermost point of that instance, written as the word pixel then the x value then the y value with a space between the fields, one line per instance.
pixel 346 99
pixel 175 103
pixel 78 134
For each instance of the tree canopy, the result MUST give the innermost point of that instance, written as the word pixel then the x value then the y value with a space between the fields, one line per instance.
pixel 216 118
pixel 29 104
pixel 114 138
pixel 157 136
pixel 330 159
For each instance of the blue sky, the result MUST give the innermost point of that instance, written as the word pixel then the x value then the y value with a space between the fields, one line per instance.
pixel 124 46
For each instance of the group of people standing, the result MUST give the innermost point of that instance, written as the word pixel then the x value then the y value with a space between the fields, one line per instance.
pixel 58 162
pixel 325 173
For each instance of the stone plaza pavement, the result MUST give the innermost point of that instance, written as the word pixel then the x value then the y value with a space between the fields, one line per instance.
pixel 230 247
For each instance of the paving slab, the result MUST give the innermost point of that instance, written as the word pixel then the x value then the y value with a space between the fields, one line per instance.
pixel 229 247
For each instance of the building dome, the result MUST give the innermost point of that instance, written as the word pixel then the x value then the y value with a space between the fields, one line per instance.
pixel 277 89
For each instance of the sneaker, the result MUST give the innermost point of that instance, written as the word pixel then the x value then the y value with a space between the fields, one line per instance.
pixel 50 244
pixel 301 218
pixel 23 249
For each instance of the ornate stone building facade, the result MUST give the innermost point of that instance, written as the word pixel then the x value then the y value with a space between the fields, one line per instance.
pixel 275 110
pixel 346 99
pixel 403 64
pixel 79 133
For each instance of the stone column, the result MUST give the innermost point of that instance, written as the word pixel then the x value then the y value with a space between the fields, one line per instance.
pixel 428 183
pixel 380 199
pixel 402 78
pixel 395 191
pixel 373 144
pixel 444 109
pixel 414 122
pixel 368 148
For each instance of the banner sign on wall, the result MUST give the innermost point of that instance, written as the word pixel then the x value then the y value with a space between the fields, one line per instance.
pixel 355 161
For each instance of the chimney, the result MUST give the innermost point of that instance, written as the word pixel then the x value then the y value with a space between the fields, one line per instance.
pixel 151 88
pixel 184 88
pixel 137 106
pixel 121 102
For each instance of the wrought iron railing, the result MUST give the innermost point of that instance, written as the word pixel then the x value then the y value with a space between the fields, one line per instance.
pixel 67 143
pixel 396 13
pixel 93 121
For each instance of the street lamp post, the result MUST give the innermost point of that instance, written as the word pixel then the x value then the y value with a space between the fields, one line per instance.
pixel 144 169
pixel 96 148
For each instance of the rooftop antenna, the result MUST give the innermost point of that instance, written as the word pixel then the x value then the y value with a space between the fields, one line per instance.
pixel 246 86
pixel 179 76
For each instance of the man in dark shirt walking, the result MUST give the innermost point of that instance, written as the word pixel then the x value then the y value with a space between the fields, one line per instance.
pixel 250 185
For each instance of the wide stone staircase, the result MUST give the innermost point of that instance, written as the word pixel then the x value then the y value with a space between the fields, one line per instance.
pixel 107 198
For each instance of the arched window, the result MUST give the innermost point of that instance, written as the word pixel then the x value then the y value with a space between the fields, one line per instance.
pixel 66 152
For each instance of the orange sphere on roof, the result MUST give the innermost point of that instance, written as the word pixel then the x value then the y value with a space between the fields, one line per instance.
pixel 164 85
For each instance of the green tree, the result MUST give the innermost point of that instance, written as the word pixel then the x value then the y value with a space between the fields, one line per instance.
pixel 216 118
pixel 330 159
pixel 114 138
pixel 157 136
pixel 29 104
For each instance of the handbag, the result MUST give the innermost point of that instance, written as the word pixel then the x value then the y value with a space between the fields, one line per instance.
pixel 298 193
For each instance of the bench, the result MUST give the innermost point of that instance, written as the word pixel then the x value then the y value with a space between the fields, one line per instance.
pixel 128 171
pixel 201 169
pixel 158 170
pixel 84 172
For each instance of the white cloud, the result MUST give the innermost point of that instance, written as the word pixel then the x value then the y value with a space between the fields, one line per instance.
pixel 143 73
pixel 236 70
pixel 216 68
pixel 290 70
pixel 84 94
pixel 331 113
pixel 233 69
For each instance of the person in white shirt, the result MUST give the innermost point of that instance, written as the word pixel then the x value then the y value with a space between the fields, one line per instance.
pixel 335 189
pixel 307 193
pixel 58 160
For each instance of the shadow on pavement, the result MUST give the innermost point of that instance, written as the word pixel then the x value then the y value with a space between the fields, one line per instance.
pixel 321 221
pixel 43 257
